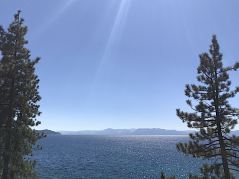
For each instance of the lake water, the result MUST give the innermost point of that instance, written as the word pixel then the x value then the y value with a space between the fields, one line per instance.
pixel 112 157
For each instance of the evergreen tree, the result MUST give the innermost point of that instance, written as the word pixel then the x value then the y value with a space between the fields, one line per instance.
pixel 1 105
pixel 19 99
pixel 212 115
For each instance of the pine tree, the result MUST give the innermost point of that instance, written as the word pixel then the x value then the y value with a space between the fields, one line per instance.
pixel 19 99
pixel 212 115
pixel 1 129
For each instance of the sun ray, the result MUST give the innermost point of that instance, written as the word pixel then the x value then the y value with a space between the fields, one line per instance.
pixel 111 45
pixel 54 18
pixel 117 29
pixel 115 34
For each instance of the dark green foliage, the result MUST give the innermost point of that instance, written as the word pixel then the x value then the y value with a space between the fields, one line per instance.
pixel 207 172
pixel 162 176
pixel 211 172
pixel 18 102
pixel 212 116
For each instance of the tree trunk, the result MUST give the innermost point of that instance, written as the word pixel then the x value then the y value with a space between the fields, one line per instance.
pixel 224 155
pixel 6 154
pixel 220 137
pixel 6 158
pixel 219 129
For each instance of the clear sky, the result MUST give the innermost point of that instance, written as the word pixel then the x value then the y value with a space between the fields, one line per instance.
pixel 121 63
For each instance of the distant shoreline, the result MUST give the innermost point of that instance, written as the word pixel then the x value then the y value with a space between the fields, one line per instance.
pixel 140 131
pixel 136 132
pixel 123 135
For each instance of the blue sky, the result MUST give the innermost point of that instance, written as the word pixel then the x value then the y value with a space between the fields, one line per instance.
pixel 121 63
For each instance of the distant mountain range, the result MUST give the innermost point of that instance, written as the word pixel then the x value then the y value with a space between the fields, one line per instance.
pixel 142 131
pixel 109 131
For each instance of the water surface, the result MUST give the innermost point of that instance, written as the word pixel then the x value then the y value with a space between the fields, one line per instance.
pixel 110 157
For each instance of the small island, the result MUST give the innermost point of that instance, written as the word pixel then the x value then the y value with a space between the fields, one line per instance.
pixel 49 132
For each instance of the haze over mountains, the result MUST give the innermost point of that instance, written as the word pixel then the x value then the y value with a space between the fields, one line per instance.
pixel 141 131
